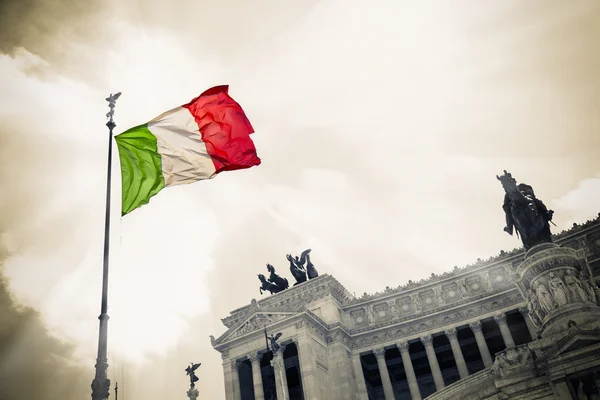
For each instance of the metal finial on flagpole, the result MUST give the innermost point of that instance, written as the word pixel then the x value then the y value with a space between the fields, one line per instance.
pixel 101 383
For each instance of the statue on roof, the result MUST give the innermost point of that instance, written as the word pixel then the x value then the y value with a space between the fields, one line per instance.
pixel 276 279
pixel 297 268
pixel 268 286
pixel 525 213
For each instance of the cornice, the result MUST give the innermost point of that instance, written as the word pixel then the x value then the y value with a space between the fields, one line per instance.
pixel 306 317
pixel 295 297
pixel 504 258
pixel 293 302
pixel 437 322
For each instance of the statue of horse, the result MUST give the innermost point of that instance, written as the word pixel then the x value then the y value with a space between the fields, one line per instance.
pixel 527 214
pixel 276 279
pixel 311 271
pixel 268 286
pixel 297 270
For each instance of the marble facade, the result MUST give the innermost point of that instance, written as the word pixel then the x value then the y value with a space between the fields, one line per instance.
pixel 513 326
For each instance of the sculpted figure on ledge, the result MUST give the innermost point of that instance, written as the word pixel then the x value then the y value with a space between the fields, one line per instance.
pixel 525 213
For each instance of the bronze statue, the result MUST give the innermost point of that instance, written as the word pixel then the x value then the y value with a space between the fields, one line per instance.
pixel 192 374
pixel 268 286
pixel 297 270
pixel 525 213
pixel 276 279
pixel 274 345
pixel 300 273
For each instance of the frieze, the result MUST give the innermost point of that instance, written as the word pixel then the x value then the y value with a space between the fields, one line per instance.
pixel 452 318
pixel 547 265
pixel 426 299
pixel 339 336
pixel 258 321
pixel 506 258
pixel 409 307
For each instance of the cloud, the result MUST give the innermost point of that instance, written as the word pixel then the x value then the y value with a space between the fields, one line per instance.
pixel 33 363
pixel 381 128
pixel 581 203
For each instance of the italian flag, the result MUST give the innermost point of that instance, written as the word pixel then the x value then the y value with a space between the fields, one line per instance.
pixel 190 143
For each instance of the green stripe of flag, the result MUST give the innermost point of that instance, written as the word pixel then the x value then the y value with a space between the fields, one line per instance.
pixel 141 167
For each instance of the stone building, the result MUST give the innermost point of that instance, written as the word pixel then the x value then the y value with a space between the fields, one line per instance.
pixel 519 325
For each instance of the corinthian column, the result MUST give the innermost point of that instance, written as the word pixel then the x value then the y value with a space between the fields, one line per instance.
pixel 281 385
pixel 235 375
pixel 438 379
pixel 259 393
pixel 388 391
pixel 457 352
pixel 506 335
pixel 483 348
pixel 359 378
pixel 413 386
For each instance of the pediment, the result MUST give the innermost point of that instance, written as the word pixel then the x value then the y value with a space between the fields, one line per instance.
pixel 255 322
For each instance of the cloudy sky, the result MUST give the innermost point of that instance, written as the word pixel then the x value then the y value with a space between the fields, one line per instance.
pixel 381 126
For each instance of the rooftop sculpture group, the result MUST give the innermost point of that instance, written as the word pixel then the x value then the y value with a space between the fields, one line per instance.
pixel 301 273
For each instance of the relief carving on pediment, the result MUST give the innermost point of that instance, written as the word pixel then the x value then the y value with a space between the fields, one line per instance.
pixel 258 321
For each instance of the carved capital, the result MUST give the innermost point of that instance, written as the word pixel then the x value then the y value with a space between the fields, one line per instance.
pixel 255 357
pixel 427 340
pixel 277 363
pixel 403 346
pixel 451 333
pixel 281 349
pixel 475 326
pixel 500 319
pixel 379 353
pixel 235 364
pixel 524 311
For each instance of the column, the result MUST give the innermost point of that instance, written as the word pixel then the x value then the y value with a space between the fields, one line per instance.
pixel 281 385
pixel 457 353
pixel 388 391
pixel 413 386
pixel 308 365
pixel 483 348
pixel 438 379
pixel 359 378
pixel 228 377
pixel 235 371
pixel 259 393
pixel 530 326
pixel 506 335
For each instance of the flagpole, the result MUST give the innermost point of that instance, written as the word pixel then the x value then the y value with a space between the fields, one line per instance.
pixel 101 383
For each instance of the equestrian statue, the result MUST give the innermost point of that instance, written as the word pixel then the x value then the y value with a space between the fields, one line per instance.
pixel 525 213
